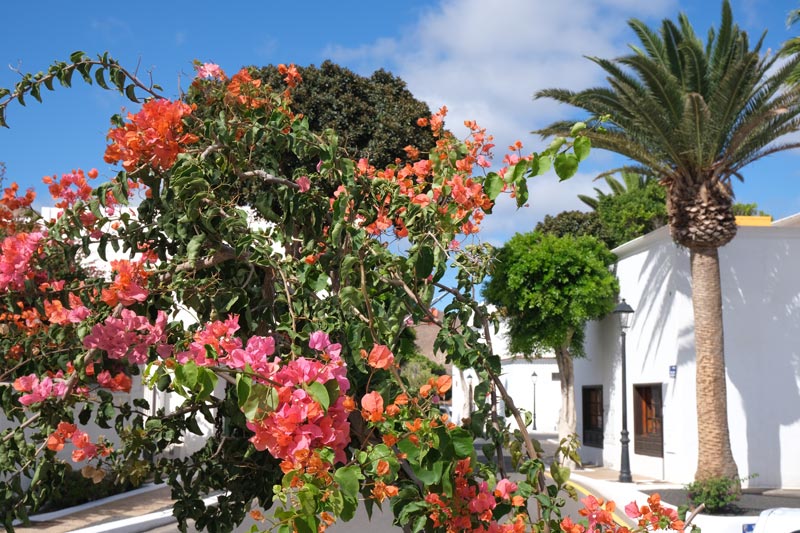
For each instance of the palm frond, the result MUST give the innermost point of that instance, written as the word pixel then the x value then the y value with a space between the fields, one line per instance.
pixel 689 110
pixel 651 41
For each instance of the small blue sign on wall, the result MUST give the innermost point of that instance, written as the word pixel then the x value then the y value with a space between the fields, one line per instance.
pixel 748 528
pixel 673 371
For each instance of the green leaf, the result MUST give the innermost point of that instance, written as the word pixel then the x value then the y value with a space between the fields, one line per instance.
pixel 320 394
pixel 560 474
pixel 76 56
pixel 566 165
pixel 423 266
pixel 557 143
pixel 429 475
pixel 130 92
pixel 577 127
pixel 347 478
pixel 541 164
pixel 521 192
pixel 261 401
pixel 35 92
pixel 163 382
pixel 193 426
pixel 208 382
pixel 194 246
pixel 85 69
pixel 493 185
pixel 350 295
pixel 118 77
pixel 186 375
pixel 581 147
pixel 101 80
pixel 332 386
pixel 462 443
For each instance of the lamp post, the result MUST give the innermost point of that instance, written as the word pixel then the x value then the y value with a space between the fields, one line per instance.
pixel 533 379
pixel 624 312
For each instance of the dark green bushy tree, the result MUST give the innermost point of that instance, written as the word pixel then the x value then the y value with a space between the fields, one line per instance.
pixel 575 224
pixel 633 213
pixel 375 117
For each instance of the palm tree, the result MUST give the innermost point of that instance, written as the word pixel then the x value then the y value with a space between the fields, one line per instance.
pixel 693 115
pixel 630 181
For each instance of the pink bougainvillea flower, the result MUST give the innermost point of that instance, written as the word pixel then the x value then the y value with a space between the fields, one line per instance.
pixel 504 488
pixel 632 510
pixel 130 336
pixel 16 254
pixel 319 340
pixel 210 70
pixel 40 390
pixel 299 424
pixel 304 183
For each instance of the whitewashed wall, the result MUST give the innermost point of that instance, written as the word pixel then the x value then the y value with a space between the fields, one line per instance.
pixel 760 273
pixel 516 377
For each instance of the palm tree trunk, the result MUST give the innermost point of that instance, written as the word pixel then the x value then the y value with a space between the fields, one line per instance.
pixel 714 455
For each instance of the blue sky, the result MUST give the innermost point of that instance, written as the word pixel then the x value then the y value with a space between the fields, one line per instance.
pixel 482 59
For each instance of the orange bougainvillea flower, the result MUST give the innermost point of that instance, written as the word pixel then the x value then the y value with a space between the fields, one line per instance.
pixel 292 76
pixel 443 384
pixel 372 407
pixel 383 468
pixel 153 136
pixel 381 491
pixel 440 385
pixel 380 357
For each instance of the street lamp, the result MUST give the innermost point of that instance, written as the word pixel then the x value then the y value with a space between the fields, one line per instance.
pixel 624 312
pixel 533 379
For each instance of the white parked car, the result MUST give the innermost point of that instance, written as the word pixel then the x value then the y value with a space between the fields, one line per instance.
pixel 779 520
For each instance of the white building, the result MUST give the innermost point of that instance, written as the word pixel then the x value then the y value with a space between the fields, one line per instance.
pixel 760 275
pixel 539 394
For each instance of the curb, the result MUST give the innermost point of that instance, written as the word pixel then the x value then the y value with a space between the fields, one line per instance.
pixel 623 493
pixel 139 524
pixel 61 513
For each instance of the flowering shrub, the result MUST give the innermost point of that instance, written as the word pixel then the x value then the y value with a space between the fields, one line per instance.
pixel 264 294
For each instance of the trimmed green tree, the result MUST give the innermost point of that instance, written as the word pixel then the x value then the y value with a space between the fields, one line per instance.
pixel 548 288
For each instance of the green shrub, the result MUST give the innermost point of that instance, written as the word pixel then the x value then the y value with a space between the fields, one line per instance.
pixel 716 493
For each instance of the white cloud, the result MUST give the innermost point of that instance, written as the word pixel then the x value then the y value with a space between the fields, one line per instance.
pixel 112 29
pixel 485 60
pixel 547 196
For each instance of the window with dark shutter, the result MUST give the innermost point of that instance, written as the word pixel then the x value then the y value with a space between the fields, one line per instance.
pixel 648 436
pixel 593 416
